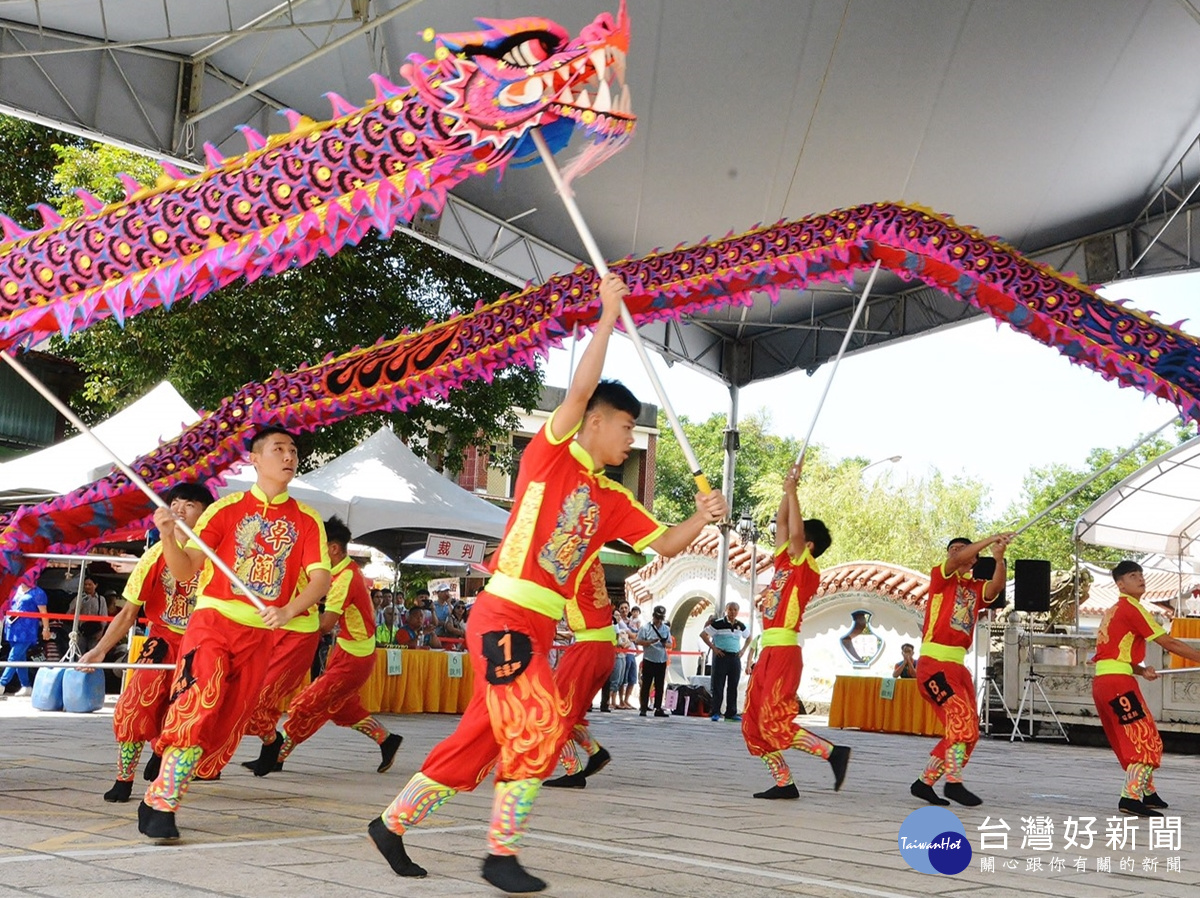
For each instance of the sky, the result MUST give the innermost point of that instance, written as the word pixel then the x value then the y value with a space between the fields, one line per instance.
pixel 1018 404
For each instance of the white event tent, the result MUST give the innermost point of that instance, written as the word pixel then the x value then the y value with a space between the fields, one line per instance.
pixel 1156 509
pixel 160 415
pixel 396 500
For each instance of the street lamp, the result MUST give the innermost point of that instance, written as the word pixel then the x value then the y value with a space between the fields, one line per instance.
pixel 891 458
pixel 748 531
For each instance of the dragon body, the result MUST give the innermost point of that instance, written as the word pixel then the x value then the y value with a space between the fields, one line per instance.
pixel 467 111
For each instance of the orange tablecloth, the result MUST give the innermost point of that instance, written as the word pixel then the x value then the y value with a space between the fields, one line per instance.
pixel 856 703
pixel 1184 628
pixel 423 684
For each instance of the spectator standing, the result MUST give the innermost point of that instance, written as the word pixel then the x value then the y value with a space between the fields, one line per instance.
pixel 727 637
pixel 655 639
pixel 90 604
pixel 21 633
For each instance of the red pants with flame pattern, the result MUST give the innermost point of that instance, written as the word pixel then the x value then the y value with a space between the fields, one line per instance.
pixel 334 695
pixel 514 719
pixel 138 716
pixel 218 677
pixel 947 685
pixel 583 668
pixel 1127 721
pixel 290 656
pixel 769 719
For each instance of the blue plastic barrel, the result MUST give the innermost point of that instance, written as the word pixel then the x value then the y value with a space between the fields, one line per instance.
pixel 48 689
pixel 83 693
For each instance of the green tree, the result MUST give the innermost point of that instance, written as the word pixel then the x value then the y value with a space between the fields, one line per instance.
pixel 1052 537
pixel 902 523
pixel 244 332
pixel 27 165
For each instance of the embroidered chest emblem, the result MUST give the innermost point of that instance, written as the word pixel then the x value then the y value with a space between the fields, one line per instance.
pixel 577 523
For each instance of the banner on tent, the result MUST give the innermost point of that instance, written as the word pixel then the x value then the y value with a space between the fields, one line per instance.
pixel 459 551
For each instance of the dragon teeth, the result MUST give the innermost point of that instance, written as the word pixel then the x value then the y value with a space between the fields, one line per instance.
pixel 603 98
pixel 599 62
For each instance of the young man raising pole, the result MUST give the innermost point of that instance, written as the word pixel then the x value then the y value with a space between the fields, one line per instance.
pixel 565 510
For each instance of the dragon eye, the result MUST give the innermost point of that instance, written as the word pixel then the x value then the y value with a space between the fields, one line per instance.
pixel 530 50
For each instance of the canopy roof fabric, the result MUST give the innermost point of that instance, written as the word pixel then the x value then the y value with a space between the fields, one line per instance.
pixel 1154 509
pixel 160 415
pixel 1068 128
pixel 396 500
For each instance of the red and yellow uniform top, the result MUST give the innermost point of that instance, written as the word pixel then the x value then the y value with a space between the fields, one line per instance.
pixel 565 511
pixel 792 587
pixel 954 603
pixel 589 611
pixel 1121 639
pixel 349 597
pixel 268 543
pixel 167 602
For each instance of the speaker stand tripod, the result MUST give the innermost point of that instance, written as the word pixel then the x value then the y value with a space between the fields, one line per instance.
pixel 990 686
pixel 1033 682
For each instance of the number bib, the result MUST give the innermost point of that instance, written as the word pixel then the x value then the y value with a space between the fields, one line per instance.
pixel 939 690
pixel 1128 708
pixel 507 655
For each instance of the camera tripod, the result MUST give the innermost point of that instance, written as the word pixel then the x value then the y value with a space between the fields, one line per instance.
pixel 1033 682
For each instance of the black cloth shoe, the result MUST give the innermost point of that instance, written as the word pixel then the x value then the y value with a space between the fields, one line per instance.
pixel 155 823
pixel 1153 801
pixel 839 760
pixel 387 750
pixel 599 761
pixel 120 792
pixel 505 872
pixel 642 713
pixel 605 710
pixel 776 792
pixel 659 712
pixel 391 846
pixel 250 765
pixel 268 755
pixel 150 774
pixel 964 796
pixel 922 790
pixel 576 780
pixel 1136 808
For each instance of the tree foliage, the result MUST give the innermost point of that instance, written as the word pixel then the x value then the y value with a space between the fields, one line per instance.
pixel 870 517
pixel 244 332
pixel 27 164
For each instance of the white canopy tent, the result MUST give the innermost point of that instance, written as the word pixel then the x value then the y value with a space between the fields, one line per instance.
pixel 1154 509
pixel 322 502
pixel 160 415
pixel 418 500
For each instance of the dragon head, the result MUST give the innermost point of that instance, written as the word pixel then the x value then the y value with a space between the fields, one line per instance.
pixel 494 85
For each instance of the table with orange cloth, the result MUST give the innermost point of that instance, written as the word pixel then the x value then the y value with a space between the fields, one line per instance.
pixel 857 704
pixel 1184 628
pixel 424 684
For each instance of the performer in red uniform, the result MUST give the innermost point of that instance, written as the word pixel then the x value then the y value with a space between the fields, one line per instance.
pixel 335 694
pixel 565 510
pixel 267 539
pixel 583 669
pixel 291 654
pixel 138 716
pixel 1121 653
pixel 955 599
pixel 769 719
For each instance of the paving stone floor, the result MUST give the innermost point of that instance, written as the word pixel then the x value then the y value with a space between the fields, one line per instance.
pixel 672 815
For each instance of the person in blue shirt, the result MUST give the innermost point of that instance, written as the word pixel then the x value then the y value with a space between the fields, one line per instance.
pixel 656 640
pixel 726 637
pixel 21 633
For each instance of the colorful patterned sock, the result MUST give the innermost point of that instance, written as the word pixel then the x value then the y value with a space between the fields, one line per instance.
pixel 416 801
pixel 286 748
pixel 510 813
pixel 128 755
pixel 1137 781
pixel 582 737
pixel 178 768
pixel 569 758
pixel 1150 787
pixel 956 760
pixel 933 770
pixel 372 729
pixel 780 772
pixel 812 743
